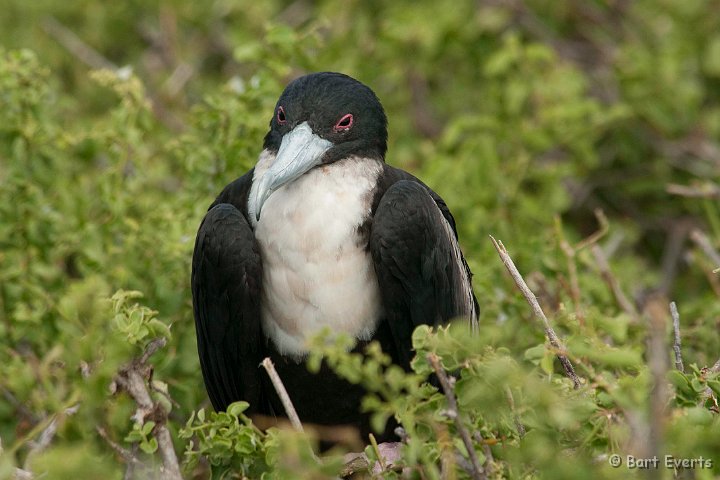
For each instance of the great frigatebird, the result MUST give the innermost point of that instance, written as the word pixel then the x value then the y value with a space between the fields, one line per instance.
pixel 320 233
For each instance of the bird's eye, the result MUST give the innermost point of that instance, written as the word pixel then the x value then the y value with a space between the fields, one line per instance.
pixel 344 123
pixel 281 116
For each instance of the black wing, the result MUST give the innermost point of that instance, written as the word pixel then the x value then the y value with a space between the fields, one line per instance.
pixel 226 285
pixel 423 276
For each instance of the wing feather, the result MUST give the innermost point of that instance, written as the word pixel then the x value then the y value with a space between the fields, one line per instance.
pixel 423 277
pixel 226 285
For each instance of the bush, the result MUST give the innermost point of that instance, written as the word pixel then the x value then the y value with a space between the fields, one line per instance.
pixel 524 117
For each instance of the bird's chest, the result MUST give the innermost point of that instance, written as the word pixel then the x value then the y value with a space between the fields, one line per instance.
pixel 317 272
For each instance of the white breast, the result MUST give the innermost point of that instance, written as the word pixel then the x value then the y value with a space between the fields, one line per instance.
pixel 316 270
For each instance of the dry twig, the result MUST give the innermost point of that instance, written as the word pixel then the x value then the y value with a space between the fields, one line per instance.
pixel 707 190
pixel 612 282
pixel 448 455
pixel 128 456
pixel 282 393
pixel 530 297
pixel 658 364
pixel 702 241
pixel 73 44
pixel 571 253
pixel 489 459
pixel 708 393
pixel 132 378
pixel 676 343
pixel 453 412
pixel 520 427
pixel 354 462
pixel 389 452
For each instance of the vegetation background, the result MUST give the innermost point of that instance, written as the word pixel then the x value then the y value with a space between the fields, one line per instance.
pixel 539 122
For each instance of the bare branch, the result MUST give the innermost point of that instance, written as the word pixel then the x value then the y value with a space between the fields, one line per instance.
pixel 132 378
pixel 708 393
pixel 45 437
pixel 706 190
pixel 676 343
pixel 570 254
pixel 530 297
pixel 520 427
pixel 354 462
pixel 73 44
pixel 151 348
pixel 489 459
pixel 453 412
pixel 603 228
pixel 21 409
pixel 702 241
pixel 612 282
pixel 389 452
pixel 658 365
pixel 124 453
pixel 450 458
pixel 282 393
pixel 21 474
pixel 177 80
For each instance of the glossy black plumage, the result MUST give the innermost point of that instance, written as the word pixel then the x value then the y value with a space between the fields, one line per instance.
pixel 408 232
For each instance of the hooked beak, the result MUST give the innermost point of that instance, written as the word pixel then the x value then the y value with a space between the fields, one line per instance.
pixel 300 150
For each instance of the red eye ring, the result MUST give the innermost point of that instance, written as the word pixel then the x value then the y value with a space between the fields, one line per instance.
pixel 281 116
pixel 344 124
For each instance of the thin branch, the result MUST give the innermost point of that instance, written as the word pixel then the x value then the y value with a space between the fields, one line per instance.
pixel 702 241
pixel 708 393
pixel 520 427
pixel 658 365
pixel 151 348
pixel 282 393
pixel 676 343
pixel 376 449
pixel 124 453
pixel 73 44
pixel 449 456
pixel 453 412
pixel 132 378
pixel 21 409
pixel 706 190
pixel 603 228
pixel 530 297
pixel 489 459
pixel 715 368
pixel 45 436
pixel 21 474
pixel 673 251
pixel 389 452
pixel 571 253
pixel 354 462
pixel 612 282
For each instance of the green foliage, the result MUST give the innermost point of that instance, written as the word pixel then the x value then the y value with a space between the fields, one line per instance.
pixel 228 440
pixel 140 434
pixel 135 321
pixel 523 116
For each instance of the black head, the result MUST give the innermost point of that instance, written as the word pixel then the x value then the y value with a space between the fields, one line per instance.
pixel 337 108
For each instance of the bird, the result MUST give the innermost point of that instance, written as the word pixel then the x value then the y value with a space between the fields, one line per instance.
pixel 321 234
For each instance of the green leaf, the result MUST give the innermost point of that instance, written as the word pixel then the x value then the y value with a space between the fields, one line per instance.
pixel 237 408
pixel 149 446
pixel 147 427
